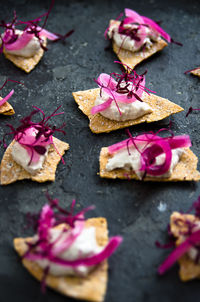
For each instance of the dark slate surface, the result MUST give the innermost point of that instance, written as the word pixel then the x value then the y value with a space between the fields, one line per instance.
pixel 131 207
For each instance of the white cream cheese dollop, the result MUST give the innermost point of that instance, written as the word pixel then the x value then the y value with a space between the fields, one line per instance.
pixel 132 161
pixel 29 50
pixel 21 157
pixel 125 42
pixel 129 111
pixel 85 245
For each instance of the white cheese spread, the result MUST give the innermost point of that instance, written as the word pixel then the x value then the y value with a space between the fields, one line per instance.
pixel 127 43
pixel 129 111
pixel 85 245
pixel 21 156
pixel 29 50
pixel 132 160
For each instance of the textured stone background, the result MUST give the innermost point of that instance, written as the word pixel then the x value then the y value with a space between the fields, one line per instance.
pixel 131 207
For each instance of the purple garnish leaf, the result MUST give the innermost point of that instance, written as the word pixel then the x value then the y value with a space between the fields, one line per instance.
pixel 40 149
pixel 137 97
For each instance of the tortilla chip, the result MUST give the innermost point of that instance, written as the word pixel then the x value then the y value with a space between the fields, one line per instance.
pixel 26 64
pixel 11 171
pixel 162 108
pixel 185 170
pixel 90 288
pixel 188 268
pixel 6 109
pixel 131 58
pixel 196 72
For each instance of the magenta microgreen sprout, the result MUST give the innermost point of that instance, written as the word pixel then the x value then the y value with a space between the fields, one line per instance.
pixel 67 216
pixel 35 136
pixel 43 248
pixel 191 109
pixel 12 41
pixel 8 96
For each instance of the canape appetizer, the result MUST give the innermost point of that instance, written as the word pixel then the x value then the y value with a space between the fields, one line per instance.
pixel 68 252
pixel 185 230
pixel 136 38
pixel 150 157
pixel 25 47
pixel 34 153
pixel 5 107
pixel 122 100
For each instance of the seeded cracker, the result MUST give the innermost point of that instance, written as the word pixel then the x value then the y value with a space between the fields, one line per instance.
pixel 6 109
pixel 196 72
pixel 27 64
pixel 162 108
pixel 185 170
pixel 11 171
pixel 90 288
pixel 131 58
pixel 188 268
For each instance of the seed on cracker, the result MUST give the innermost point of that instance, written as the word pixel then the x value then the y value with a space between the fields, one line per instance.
pixel 130 58
pixel 11 171
pixel 91 287
pixel 27 64
pixel 161 107
pixel 185 170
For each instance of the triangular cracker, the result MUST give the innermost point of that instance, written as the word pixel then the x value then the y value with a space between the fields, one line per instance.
pixel 90 288
pixel 196 72
pixel 131 58
pixel 185 170
pixel 26 64
pixel 188 268
pixel 6 109
pixel 162 108
pixel 11 171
